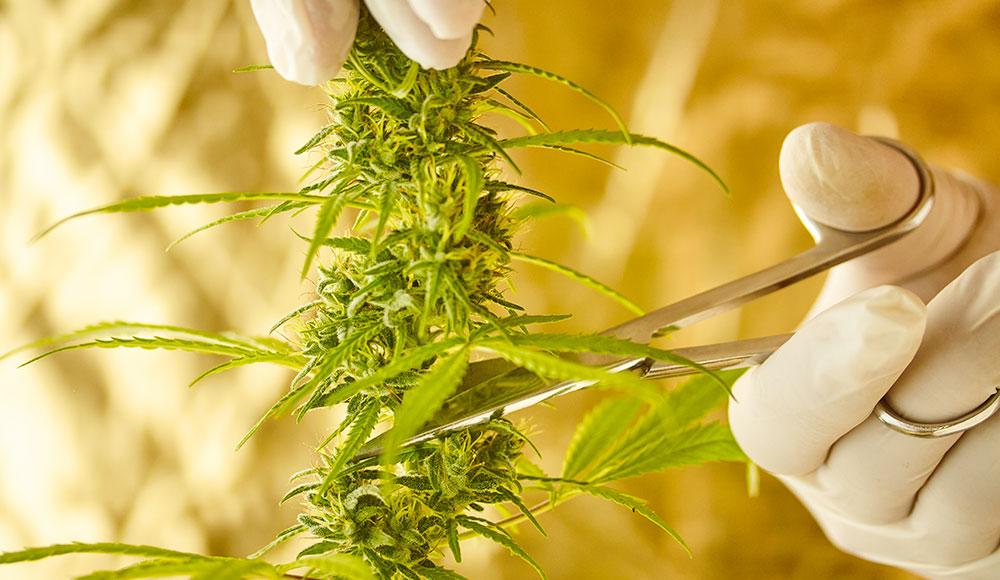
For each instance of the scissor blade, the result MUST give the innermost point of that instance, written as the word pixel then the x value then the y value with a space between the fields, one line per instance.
pixel 504 393
pixel 519 388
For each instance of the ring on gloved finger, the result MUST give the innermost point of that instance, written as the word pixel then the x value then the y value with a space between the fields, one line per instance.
pixel 889 417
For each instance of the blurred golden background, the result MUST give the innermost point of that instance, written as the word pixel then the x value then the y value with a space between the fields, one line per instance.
pixel 106 99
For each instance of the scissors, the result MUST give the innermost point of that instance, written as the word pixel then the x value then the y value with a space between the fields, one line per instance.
pixel 494 387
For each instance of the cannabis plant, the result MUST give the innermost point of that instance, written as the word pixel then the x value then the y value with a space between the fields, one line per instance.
pixel 401 303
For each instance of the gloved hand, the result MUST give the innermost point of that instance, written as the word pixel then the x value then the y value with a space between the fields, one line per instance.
pixel 931 506
pixel 309 40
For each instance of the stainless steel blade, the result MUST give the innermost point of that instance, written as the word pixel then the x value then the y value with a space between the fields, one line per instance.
pixel 503 391
pixel 520 389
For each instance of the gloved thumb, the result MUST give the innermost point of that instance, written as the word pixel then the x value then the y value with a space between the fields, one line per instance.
pixel 855 183
pixel 418 38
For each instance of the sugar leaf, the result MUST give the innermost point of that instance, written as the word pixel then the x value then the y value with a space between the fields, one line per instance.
pixel 474 182
pixel 408 360
pixel 361 427
pixel 329 211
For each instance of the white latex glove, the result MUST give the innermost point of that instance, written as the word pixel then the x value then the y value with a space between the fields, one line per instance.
pixel 931 506
pixel 309 40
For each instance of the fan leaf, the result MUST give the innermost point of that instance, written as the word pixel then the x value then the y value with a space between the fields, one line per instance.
pixel 420 402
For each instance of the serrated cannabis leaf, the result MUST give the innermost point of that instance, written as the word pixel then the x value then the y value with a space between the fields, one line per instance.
pixel 539 210
pixel 474 183
pixel 342 566
pixel 525 121
pixel 491 531
pixel 420 403
pixel 256 358
pixel 529 319
pixel 527 110
pixel 581 278
pixel 537 72
pixel 284 405
pixel 691 446
pixel 563 138
pixel 361 427
pixel 397 108
pixel 149 203
pixel 400 364
pixel 597 432
pixel 157 342
pixel 553 367
pixel 118 327
pixel 609 345
pixel 696 397
pixel 253 67
pixel 422 278
pixel 281 538
pixel 635 504
pixel 114 548
pixel 439 573
pixel 294 313
pixel 329 211
pixel 515 499
pixel 320 135
pixel 494 185
pixel 584 154
pixel 453 544
pixel 680 409
pixel 200 568
pixel 243 215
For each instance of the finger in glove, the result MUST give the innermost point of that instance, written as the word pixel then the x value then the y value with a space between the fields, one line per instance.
pixel 414 36
pixel 307 40
pixel 826 379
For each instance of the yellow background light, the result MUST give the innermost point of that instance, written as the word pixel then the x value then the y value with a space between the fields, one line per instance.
pixel 102 100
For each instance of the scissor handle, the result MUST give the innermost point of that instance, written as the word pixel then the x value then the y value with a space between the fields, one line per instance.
pixel 833 247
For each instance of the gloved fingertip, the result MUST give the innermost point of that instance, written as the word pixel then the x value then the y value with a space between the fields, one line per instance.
pixel 879 331
pixel 957 367
pixel 449 19
pixel 895 304
pixel 415 38
pixel 844 180
pixel 448 54
pixel 826 379
pixel 307 40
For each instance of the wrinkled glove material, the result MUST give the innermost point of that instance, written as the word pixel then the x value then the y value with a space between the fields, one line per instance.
pixel 930 506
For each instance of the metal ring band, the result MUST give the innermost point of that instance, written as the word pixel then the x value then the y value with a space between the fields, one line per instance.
pixel 897 422
pixel 886 414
